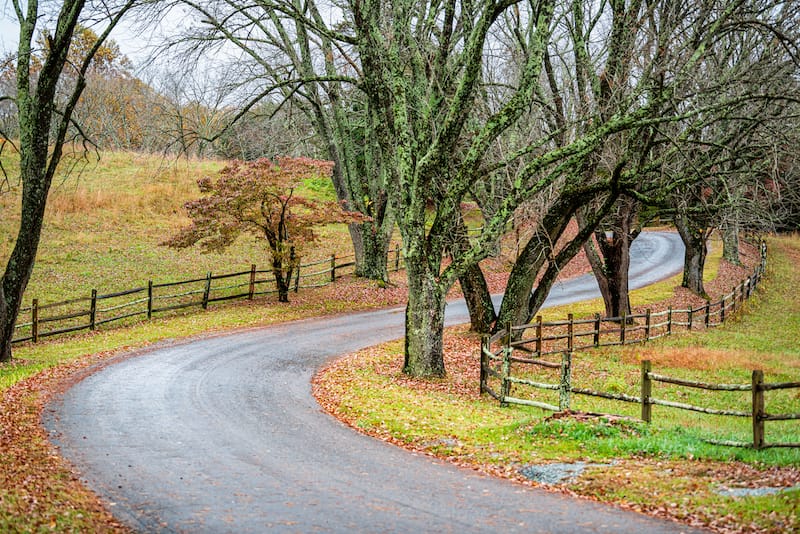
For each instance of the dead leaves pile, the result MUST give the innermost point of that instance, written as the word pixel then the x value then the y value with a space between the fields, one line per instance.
pixel 35 483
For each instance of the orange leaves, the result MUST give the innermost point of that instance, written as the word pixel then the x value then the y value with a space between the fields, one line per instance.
pixel 38 492
pixel 259 197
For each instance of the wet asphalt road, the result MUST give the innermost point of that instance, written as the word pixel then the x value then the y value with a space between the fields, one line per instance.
pixel 223 435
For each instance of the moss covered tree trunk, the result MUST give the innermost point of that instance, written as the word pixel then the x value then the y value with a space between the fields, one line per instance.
pixel 371 248
pixel 730 242
pixel 424 322
pixel 694 236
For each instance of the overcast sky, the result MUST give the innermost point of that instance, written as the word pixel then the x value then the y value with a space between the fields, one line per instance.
pixel 132 42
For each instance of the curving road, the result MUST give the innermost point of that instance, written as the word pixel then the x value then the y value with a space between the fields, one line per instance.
pixel 222 434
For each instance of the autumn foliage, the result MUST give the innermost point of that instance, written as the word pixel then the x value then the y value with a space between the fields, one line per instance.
pixel 258 197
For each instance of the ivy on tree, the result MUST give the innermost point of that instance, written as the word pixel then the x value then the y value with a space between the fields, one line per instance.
pixel 258 197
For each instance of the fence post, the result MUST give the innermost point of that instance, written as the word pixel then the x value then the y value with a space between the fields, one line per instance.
pixel 669 321
pixel 647 325
pixel 207 291
pixel 252 289
pixel 596 339
pixel 647 387
pixel 35 320
pixel 708 313
pixel 758 409
pixel 297 277
pixel 506 386
pixel 565 386
pixel 93 310
pixel 570 332
pixel 733 301
pixel 333 267
pixel 149 299
pixel 397 257
pixel 690 318
pixel 484 362
pixel 623 320
pixel 722 310
pixel 749 286
pixel 538 335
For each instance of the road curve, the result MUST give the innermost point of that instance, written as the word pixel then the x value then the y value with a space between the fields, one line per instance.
pixel 222 434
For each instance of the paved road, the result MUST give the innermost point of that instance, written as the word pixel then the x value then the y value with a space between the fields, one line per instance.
pixel 223 435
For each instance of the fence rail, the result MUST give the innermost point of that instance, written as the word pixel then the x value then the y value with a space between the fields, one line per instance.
pixel 89 313
pixel 540 339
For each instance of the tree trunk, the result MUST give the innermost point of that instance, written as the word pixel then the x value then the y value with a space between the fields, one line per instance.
pixel 5 348
pixel 479 300
pixel 514 308
pixel 694 239
pixel 371 247
pixel 424 355
pixel 611 259
pixel 20 264
pixel 283 273
pixel 473 285
pixel 611 271
pixel 730 242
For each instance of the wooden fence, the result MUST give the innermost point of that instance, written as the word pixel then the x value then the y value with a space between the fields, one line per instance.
pixel 500 357
pixel 91 312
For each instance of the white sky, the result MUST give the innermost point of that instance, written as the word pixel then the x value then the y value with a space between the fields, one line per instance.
pixel 132 41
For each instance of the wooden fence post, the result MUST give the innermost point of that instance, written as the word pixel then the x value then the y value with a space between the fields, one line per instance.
pixel 647 387
pixel 708 313
pixel 333 267
pixel 570 332
pixel 669 321
pixel 538 335
pixel 733 301
pixel 722 310
pixel 207 291
pixel 93 310
pixel 484 362
pixel 35 320
pixel 690 318
pixel 397 257
pixel 758 409
pixel 565 387
pixel 252 289
pixel 505 389
pixel 297 276
pixel 749 286
pixel 623 320
pixel 149 299
pixel 647 325
pixel 596 337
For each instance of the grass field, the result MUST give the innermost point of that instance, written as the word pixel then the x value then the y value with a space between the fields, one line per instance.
pixel 106 219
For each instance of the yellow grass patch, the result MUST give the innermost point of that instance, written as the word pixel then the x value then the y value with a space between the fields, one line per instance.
pixel 699 358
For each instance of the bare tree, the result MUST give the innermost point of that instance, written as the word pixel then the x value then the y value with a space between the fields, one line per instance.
pixel 291 54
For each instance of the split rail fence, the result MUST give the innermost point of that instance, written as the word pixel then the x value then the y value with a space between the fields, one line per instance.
pixel 91 312
pixel 508 357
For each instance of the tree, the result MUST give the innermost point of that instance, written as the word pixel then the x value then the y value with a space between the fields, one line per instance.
pixel 258 197
pixel 44 122
pixel 287 54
